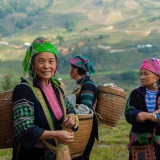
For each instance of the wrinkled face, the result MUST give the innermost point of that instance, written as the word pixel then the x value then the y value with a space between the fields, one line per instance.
pixel 73 72
pixel 45 65
pixel 147 78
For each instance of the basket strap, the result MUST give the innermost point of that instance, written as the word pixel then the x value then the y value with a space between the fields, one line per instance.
pixel 90 83
pixel 95 103
pixel 98 116
pixel 40 98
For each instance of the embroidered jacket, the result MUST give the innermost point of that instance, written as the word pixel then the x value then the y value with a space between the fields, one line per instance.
pixel 89 92
pixel 29 119
pixel 136 104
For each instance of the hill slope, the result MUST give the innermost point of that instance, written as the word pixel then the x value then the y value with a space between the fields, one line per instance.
pixel 93 14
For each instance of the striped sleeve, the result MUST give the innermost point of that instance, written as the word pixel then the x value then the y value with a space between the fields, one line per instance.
pixel 23 113
pixel 87 98
pixel 87 95
pixel 23 116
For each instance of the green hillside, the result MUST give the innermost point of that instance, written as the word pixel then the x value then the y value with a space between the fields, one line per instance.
pixel 110 31
pixel 52 17
pixel 120 25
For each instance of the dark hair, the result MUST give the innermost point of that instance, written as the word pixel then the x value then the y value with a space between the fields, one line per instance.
pixel 81 71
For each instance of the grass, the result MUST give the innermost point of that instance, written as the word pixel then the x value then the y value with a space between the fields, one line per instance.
pixel 112 144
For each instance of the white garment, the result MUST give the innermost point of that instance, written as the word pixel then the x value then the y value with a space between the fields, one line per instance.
pixel 81 109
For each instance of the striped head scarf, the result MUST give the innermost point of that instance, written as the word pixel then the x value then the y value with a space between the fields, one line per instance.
pixel 84 63
pixel 39 45
pixel 151 64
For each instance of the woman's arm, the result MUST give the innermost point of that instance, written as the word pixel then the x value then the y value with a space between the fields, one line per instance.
pixel 62 136
pixel 71 119
pixel 134 115
pixel 130 110
pixel 23 116
pixel 88 95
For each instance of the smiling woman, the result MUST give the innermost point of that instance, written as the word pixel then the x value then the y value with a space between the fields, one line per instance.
pixel 40 108
pixel 44 65
pixel 143 113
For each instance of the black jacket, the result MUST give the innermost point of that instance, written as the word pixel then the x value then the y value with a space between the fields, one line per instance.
pixel 135 104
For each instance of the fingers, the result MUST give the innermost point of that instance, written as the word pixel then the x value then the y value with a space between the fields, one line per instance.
pixel 157 111
pixel 142 116
pixel 66 119
pixel 69 120
pixel 65 137
pixel 138 118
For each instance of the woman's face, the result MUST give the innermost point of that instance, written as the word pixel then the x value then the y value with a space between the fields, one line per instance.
pixel 73 72
pixel 45 65
pixel 147 78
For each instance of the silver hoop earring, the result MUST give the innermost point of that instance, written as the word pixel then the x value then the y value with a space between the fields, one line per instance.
pixel 56 73
pixel 156 84
pixel 34 73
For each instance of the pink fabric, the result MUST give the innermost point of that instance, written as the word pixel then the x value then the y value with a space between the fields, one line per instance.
pixel 151 64
pixel 52 99
pixel 133 137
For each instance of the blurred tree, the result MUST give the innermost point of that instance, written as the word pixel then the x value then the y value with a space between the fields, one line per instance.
pixel 69 25
pixel 7 83
pixel 61 39
pixel 130 75
pixel 22 23
pixel 101 36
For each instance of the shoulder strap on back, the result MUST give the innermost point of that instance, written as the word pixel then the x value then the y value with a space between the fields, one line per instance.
pixel 40 98
pixel 89 82
pixel 78 89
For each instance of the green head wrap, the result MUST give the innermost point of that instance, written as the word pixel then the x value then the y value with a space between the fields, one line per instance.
pixel 39 45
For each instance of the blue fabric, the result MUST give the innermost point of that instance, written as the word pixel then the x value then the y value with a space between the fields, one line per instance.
pixel 150 98
pixel 158 116
pixel 136 103
pixel 89 92
pixel 88 96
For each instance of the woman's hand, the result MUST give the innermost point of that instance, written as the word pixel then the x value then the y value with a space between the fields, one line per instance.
pixel 142 116
pixel 156 111
pixel 70 121
pixel 64 137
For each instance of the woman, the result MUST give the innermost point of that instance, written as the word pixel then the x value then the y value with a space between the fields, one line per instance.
pixel 37 126
pixel 80 67
pixel 142 113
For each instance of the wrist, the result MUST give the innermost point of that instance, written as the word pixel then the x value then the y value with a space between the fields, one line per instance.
pixel 54 134
pixel 76 121
pixel 154 117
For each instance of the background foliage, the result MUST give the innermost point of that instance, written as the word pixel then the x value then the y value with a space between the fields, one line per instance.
pixel 110 32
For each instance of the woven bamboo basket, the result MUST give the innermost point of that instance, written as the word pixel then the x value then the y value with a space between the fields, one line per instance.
pixel 6 120
pixel 81 137
pixel 110 105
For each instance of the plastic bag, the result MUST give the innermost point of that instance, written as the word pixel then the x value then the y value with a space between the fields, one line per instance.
pixel 82 109
pixel 72 99
pixel 79 108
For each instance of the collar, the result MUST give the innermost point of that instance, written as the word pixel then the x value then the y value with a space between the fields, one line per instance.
pixel 36 82
pixel 83 79
pixel 142 90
